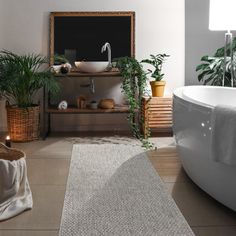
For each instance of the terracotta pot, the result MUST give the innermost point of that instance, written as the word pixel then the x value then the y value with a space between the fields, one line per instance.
pixel 158 88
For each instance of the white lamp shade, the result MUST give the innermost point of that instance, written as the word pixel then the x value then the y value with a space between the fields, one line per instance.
pixel 222 15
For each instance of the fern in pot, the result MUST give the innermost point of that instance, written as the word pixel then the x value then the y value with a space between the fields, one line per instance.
pixel 21 77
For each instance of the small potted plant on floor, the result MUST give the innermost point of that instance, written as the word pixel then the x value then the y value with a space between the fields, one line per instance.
pixel 21 76
pixel 158 85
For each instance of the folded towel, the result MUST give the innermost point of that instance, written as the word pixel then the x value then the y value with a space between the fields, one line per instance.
pixel 223 140
pixel 15 193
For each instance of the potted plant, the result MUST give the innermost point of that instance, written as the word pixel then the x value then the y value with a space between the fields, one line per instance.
pixel 158 85
pixel 133 86
pixel 61 64
pixel 21 76
pixel 211 69
pixel 60 59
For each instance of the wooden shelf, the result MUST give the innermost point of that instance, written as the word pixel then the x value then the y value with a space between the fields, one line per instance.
pixel 75 110
pixel 113 73
pixel 50 110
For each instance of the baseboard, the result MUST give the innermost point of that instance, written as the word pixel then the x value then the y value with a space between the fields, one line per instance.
pixel 102 127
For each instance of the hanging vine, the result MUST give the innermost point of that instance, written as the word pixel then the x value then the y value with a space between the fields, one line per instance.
pixel 133 86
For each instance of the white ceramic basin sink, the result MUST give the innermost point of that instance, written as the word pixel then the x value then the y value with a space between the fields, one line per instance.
pixel 92 66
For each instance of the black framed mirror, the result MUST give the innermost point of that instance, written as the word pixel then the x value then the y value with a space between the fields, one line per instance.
pixel 80 35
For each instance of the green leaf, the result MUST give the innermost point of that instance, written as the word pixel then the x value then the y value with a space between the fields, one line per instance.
pixel 203 74
pixel 21 76
pixel 201 67
pixel 205 58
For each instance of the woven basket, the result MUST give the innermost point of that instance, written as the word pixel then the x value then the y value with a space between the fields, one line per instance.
pixel 23 123
pixel 107 104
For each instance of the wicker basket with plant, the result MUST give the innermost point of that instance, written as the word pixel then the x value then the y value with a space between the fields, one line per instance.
pixel 21 77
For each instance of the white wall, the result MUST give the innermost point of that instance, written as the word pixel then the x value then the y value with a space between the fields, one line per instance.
pixel 3 123
pixel 159 29
pixel 1 23
pixel 199 39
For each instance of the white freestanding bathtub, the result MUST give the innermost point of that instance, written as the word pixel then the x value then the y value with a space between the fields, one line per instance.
pixel 192 108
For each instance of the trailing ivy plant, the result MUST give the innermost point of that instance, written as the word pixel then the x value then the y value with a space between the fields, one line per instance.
pixel 133 86
pixel 212 67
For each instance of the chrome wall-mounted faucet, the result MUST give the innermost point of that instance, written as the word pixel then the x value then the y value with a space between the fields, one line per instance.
pixel 107 47
pixel 91 85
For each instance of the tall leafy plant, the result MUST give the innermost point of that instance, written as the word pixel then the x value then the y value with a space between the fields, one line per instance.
pixel 157 62
pixel 21 76
pixel 133 86
pixel 212 67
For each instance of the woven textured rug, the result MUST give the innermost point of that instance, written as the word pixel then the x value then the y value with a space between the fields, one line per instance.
pixel 113 189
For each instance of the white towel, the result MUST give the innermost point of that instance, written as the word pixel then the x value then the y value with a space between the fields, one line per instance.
pixel 223 140
pixel 15 193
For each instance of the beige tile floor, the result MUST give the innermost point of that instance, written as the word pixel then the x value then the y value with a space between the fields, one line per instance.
pixel 48 165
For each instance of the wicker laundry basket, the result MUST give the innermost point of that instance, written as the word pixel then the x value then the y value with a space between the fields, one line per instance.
pixel 23 123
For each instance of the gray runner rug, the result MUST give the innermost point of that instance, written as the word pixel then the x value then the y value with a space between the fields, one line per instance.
pixel 113 189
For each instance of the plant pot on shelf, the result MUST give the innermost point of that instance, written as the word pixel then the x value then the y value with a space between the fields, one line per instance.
pixel 23 123
pixel 158 88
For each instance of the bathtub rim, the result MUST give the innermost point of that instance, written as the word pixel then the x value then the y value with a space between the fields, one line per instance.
pixel 179 92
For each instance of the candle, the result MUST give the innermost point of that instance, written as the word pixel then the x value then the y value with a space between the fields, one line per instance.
pixel 8 141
